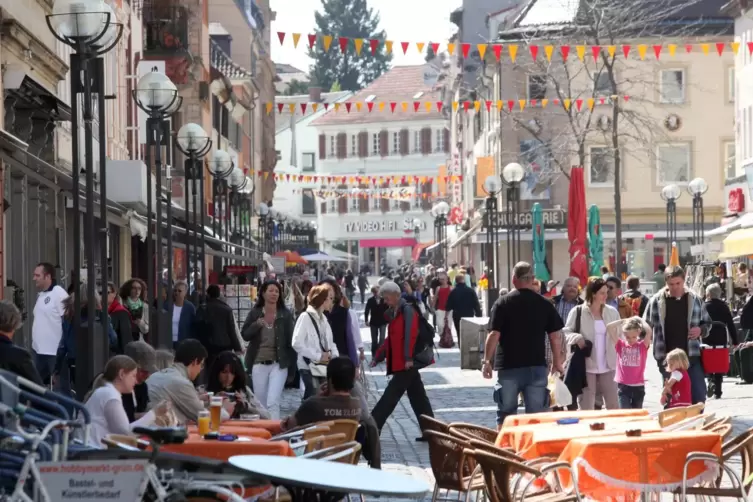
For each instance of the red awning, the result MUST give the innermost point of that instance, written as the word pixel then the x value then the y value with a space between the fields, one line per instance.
pixel 401 242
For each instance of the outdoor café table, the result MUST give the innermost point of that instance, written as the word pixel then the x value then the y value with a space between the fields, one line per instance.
pixel 223 450
pixel 273 426
pixel 532 442
pixel 553 416
pixel 609 467
pixel 238 431
pixel 308 479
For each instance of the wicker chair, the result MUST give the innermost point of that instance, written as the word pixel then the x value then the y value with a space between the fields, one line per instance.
pixel 716 422
pixel 322 442
pixel 689 423
pixel 499 471
pixel 741 485
pixel 723 430
pixel 428 423
pixel 347 427
pixel 452 470
pixel 313 432
pixel 470 431
pixel 336 453
pixel 671 416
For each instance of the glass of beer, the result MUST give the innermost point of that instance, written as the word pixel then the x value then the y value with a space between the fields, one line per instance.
pixel 215 409
pixel 203 423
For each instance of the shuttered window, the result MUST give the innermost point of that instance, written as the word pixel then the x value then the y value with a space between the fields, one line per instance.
pixel 426 141
pixel 342 199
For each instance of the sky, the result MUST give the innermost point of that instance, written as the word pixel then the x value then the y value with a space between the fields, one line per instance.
pixel 403 21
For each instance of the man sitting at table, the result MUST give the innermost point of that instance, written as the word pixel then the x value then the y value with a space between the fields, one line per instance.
pixel 176 383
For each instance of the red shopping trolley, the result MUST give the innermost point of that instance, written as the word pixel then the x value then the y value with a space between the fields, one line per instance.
pixel 715 359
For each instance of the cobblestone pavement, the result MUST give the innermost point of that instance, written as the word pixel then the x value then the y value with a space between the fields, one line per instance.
pixel 464 396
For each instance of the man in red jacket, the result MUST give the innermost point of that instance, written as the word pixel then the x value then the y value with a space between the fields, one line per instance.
pixel 402 332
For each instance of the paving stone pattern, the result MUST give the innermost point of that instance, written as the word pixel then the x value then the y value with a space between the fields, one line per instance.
pixel 465 396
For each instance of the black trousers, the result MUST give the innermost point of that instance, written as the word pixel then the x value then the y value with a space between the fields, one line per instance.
pixel 377 338
pixel 716 379
pixel 408 381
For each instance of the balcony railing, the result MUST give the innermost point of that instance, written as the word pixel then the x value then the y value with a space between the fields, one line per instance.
pixel 166 28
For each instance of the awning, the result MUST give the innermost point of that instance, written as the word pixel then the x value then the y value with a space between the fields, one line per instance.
pixel 27 92
pixel 743 221
pixel 465 235
pixel 418 248
pixel 738 243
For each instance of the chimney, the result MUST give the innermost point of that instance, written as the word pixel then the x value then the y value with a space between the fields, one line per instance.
pixel 315 94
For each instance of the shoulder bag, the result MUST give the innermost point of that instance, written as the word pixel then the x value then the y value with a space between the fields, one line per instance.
pixel 318 370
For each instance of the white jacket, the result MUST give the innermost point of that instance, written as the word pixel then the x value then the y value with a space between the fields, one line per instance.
pixel 307 343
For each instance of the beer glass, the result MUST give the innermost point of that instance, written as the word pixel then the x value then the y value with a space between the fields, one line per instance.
pixel 215 409
pixel 203 422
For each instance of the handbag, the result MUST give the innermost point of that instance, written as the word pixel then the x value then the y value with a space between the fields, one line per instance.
pixel 318 370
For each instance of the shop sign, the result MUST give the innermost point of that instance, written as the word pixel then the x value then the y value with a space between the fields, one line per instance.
pixel 552 218
pixel 736 201
pixel 370 226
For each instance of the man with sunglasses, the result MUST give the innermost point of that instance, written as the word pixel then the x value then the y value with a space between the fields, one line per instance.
pixel 614 286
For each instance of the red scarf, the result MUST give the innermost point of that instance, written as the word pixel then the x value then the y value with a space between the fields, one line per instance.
pixel 116 306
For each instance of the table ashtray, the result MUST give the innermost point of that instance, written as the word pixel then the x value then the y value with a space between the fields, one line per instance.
pixel 634 433
pixel 597 426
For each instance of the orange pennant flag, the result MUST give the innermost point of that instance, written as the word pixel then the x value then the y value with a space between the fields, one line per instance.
pixel 266 174
pixel 581 51
pixel 381 106
pixel 672 48
pixel 359 105
pixel 358 42
pixel 405 106
pixel 455 106
pixel 451 49
pixel 327 41
pixel 735 47
pixel 513 50
pixel 314 107
pixel 500 105
pixel 522 104
pixel 481 50
pixel 337 107
pixel 567 102
pixel 296 39
pixel 642 51
pixel 590 103
pixel 428 106
pixel 420 46
pixel 705 49
pixel 548 50
pixel 611 50
pixel 477 105
pixel 388 46
pixel 291 108
pixel 544 102
pixel 269 107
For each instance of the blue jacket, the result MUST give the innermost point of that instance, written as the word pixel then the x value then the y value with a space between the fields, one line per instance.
pixel 186 321
pixel 67 348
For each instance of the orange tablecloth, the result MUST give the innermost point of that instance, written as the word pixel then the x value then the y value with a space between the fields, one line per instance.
pixel 273 426
pixel 615 466
pixel 551 439
pixel 223 450
pixel 553 416
pixel 518 436
pixel 238 431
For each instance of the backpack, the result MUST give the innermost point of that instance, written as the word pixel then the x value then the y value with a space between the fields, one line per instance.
pixel 423 350
pixel 202 327
pixel 635 304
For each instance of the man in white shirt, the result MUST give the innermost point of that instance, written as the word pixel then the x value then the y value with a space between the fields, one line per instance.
pixel 47 326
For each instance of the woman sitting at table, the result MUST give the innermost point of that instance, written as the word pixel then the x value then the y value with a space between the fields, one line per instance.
pixel 105 403
pixel 227 376
pixel 588 322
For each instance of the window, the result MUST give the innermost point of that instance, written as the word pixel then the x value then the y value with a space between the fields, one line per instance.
pixel 673 163
pixel 333 203
pixel 309 161
pixel 439 143
pixel 278 154
pixel 729 159
pixel 375 144
pixel 396 143
pixel 308 202
pixel 731 84
pixel 672 86
pixel 602 84
pixel 355 197
pixel 416 142
pixel 376 198
pixel 354 145
pixel 537 87
pixel 601 169
pixel 416 202
pixel 332 146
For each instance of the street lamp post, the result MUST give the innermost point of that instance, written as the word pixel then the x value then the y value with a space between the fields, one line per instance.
pixel 194 143
pixel 158 97
pixel 440 212
pixel 221 167
pixel 91 29
pixel 492 187
pixel 271 234
pixel 696 188
pixel 281 229
pixel 417 231
pixel 237 182
pixel 512 175
pixel 263 232
pixel 670 194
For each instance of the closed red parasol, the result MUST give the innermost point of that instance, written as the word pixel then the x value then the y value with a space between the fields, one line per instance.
pixel 576 225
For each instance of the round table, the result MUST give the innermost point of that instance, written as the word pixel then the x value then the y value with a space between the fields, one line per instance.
pixel 301 474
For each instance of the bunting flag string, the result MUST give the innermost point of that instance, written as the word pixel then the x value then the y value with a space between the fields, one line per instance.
pixel 510 51
pixel 363 183
pixel 402 195
pixel 421 106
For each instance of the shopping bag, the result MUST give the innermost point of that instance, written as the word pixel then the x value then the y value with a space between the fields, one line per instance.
pixel 558 391
pixel 445 339
pixel 715 359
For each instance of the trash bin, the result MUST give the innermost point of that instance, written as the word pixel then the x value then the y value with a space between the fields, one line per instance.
pixel 471 340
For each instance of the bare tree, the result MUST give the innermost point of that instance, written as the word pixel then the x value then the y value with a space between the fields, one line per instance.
pixel 589 62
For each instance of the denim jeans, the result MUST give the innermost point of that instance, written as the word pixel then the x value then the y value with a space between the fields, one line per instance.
pixel 531 381
pixel 630 396
pixel 697 378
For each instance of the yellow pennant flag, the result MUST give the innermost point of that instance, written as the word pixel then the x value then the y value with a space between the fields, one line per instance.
pixel 358 42
pixel 269 108
pixel 451 49
pixel 428 106
pixel 420 46
pixel 611 49
pixel 291 108
pixel 522 104
pixel 381 106
pixel 359 105
pixel 735 47
pixel 544 102
pixel 405 106
pixel 548 50
pixel 705 49
pixel 581 51
pixel 296 39
pixel 590 103
pixel 388 46
pixel 477 105
pixel 481 50
pixel 455 106
pixel 500 105
pixel 567 102
pixel 672 49
pixel 513 50
pixel 327 41
pixel 337 107
pixel 642 51
pixel 314 107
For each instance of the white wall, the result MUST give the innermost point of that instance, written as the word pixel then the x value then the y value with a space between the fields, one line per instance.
pixel 743 93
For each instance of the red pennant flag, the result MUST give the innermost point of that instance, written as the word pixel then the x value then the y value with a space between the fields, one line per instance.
pixel 534 51
pixel 434 47
pixel 343 44
pixel 626 98
pixel 579 104
pixel 303 108
pixel 312 40
pixel 533 102
pixel 488 105
pixel 466 105
pixel 719 48
pixel 657 50
pixel 287 177
pixel 439 106
pixel 688 48
pixel 595 51
pixel 511 105
pixel 405 46
pixel 556 102
pixel 326 107
pixel 347 106
pixel 370 105
pixel 750 47
pixel 601 100
pixel 465 48
pixel 281 36
pixel 392 106
pixel 416 105
pixel 374 44
pixel 279 107
pixel 626 51
pixel 565 51
pixel 497 51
